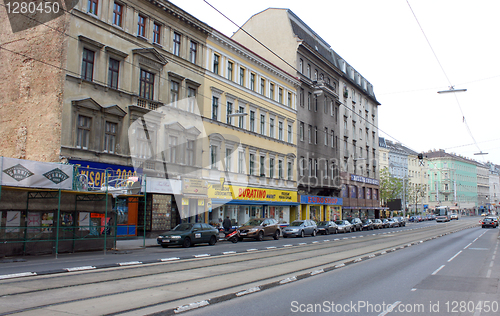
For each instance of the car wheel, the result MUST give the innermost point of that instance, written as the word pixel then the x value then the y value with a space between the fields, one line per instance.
pixel 301 234
pixel 186 243
pixel 260 236
pixel 240 238
pixel 285 236
pixel 327 232
pixel 313 234
pixel 212 241
pixel 164 246
pixel 276 235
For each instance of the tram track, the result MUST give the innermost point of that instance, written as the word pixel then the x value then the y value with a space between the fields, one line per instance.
pixel 166 284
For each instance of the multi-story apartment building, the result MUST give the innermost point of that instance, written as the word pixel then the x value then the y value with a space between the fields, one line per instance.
pixel 494 184
pixel 250 117
pixel 337 115
pixel 452 181
pixel 483 187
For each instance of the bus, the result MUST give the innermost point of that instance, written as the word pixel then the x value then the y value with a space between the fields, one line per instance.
pixel 442 213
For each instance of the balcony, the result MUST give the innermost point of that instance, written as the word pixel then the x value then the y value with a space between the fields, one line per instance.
pixel 148 104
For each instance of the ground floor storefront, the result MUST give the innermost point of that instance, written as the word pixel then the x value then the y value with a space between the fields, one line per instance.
pixel 320 208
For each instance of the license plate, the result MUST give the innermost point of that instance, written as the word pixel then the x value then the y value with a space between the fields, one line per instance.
pixel 243 233
pixel 166 240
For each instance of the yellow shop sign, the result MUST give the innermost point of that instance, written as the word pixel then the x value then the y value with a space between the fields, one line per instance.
pixel 232 192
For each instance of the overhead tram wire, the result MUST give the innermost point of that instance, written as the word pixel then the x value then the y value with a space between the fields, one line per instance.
pixel 444 72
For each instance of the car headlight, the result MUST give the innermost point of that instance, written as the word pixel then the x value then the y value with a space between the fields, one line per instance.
pixel 160 237
pixel 175 237
pixel 251 230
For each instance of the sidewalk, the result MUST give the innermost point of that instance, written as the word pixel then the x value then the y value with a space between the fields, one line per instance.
pixel 137 243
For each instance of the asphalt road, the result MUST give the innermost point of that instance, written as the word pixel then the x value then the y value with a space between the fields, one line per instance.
pixel 225 274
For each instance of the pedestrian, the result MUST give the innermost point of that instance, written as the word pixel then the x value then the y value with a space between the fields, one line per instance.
pixel 227 224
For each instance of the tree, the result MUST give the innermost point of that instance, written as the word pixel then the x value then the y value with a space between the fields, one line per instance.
pixel 390 186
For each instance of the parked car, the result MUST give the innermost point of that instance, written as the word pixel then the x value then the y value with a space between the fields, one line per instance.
pixel 300 228
pixel 377 223
pixel 367 224
pixel 258 228
pixel 187 234
pixel 401 220
pixel 489 222
pixel 356 223
pixel 392 223
pixel 327 227
pixel 386 223
pixel 344 226
pixel 414 219
pixel 454 216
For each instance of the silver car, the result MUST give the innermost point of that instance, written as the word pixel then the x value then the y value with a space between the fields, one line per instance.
pixel 344 226
pixel 300 228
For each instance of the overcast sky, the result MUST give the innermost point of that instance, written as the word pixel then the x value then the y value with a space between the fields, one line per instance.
pixel 384 42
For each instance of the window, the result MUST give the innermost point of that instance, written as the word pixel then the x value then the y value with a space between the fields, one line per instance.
pixel 262 124
pixel 315 103
pixel 156 33
pixel 252 121
pixel 325 106
pixel 280 169
pixel 326 136
pixel 193 49
pixel 110 137
pixel 301 131
pixel 141 26
pixel 242 76
pixel 228 159
pixel 280 130
pixel 88 65
pixel 302 166
pixel 310 166
pixel 332 139
pixel 309 133
pixel 241 162
pixel 146 87
pixel 213 157
pixel 252 164
pixel 117 14
pixel 241 118
pixel 229 111
pixel 301 97
pixel 262 166
pixel 177 44
pixel 174 93
pixel 262 86
pixel 92 6
pixel 230 70
pixel 271 91
pixel 308 71
pixel 289 102
pixel 280 95
pixel 114 67
pixel 309 101
pixel 191 98
pixel 252 82
pixel 315 135
pixel 216 64
pixel 315 167
pixel 290 171
pixel 301 66
pixel 215 108
pixel 83 132
pixel 190 153
pixel 271 168
pixel 172 146
pixel 271 127
pixel 290 139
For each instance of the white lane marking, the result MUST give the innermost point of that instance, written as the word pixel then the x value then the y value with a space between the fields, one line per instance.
pixel 315 242
pixel 491 264
pixel 437 270
pixel 228 252
pixel 288 280
pixel 478 311
pixel 467 246
pixel 250 290
pixel 340 265
pixel 202 255
pixel 449 260
pixel 130 263
pixel 170 259
pixel 190 306
pixel 271 247
pixel 16 275
pixel 488 274
pixel 390 308
pixel 79 268
pixel 302 243
pixel 252 249
pixel 287 245
pixel 317 272
pixel 326 240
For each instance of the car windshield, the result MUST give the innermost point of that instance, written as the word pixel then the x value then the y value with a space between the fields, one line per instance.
pixel 253 222
pixel 366 221
pixel 183 227
pixel 339 222
pixel 322 223
pixel 296 223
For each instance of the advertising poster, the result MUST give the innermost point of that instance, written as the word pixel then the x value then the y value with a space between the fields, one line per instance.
pixel 13 220
pixel 47 222
pixel 34 220
pixel 84 220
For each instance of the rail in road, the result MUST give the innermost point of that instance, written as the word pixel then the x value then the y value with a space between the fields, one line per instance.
pixel 179 285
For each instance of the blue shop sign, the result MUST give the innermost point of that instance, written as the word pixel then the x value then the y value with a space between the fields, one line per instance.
pixel 324 200
pixel 364 179
pixel 96 171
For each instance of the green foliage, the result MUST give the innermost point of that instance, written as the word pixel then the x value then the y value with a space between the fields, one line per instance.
pixel 390 186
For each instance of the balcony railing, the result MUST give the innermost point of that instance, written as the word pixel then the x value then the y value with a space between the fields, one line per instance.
pixel 148 104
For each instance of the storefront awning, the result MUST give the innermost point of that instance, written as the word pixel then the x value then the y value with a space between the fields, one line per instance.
pixel 245 202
